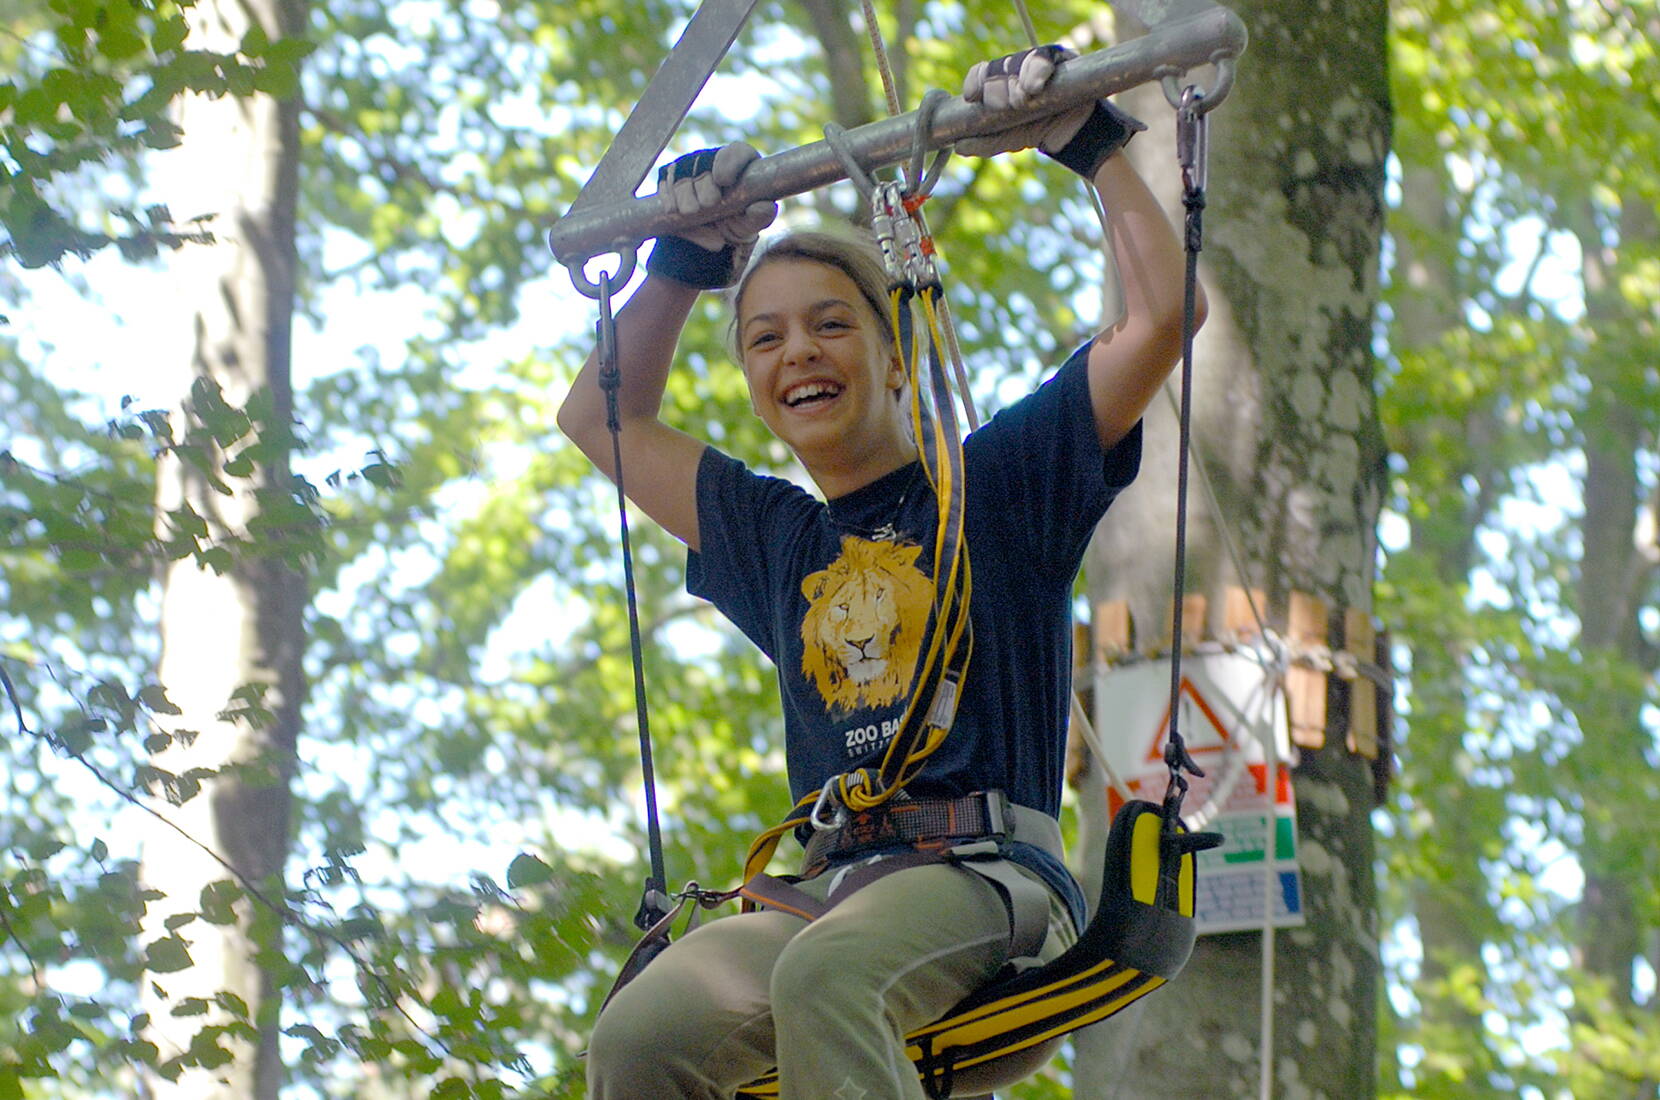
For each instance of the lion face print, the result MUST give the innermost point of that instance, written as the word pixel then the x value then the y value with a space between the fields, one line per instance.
pixel 862 633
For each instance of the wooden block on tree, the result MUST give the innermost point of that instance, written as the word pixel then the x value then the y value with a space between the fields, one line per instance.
pixel 1360 640
pixel 1306 687
pixel 1113 630
pixel 1193 620
pixel 1239 621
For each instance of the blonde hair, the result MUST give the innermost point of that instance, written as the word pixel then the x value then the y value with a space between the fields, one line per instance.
pixel 858 259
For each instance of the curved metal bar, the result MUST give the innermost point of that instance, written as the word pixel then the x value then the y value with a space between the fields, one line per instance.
pixel 1172 47
pixel 616 280
pixel 1208 98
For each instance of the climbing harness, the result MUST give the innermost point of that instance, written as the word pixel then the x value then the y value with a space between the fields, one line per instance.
pixel 1142 931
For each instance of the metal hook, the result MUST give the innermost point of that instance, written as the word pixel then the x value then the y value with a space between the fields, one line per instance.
pixel 627 258
pixel 826 797
pixel 922 181
pixel 1208 99
pixel 1193 139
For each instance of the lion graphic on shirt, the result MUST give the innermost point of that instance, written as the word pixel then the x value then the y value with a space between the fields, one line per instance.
pixel 866 614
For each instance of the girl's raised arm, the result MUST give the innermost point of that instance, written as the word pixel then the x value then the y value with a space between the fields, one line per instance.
pixel 659 462
pixel 1129 363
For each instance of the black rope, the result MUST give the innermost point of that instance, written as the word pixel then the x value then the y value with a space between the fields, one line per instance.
pixel 654 899
pixel 1190 144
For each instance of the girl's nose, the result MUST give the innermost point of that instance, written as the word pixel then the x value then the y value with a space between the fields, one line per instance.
pixel 799 344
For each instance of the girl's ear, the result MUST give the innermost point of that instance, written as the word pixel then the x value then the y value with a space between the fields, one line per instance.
pixel 896 374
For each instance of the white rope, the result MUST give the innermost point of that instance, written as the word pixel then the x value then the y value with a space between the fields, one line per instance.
pixel 1270 850
pixel 1086 730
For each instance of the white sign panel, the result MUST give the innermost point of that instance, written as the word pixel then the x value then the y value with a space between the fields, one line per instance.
pixel 1233 720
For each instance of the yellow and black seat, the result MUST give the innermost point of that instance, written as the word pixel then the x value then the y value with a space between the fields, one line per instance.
pixel 1139 938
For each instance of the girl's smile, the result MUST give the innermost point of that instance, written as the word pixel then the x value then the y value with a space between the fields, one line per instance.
pixel 821 375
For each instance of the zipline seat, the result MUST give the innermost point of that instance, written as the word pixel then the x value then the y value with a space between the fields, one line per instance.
pixel 1139 938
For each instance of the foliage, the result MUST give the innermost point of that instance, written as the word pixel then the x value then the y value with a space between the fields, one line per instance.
pixel 95 84
pixel 1521 385
pixel 470 681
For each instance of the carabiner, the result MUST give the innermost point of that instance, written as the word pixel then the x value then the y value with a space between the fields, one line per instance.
pixel 826 796
pixel 1193 139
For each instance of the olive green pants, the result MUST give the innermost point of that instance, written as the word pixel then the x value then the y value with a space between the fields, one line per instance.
pixel 828 1003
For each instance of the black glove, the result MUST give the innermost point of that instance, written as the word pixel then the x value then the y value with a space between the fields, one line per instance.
pixel 1105 131
pixel 707 256
pixel 1081 138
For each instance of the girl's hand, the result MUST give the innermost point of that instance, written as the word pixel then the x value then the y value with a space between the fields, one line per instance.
pixel 707 256
pixel 1081 137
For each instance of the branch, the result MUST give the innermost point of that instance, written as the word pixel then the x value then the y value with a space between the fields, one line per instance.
pixel 285 913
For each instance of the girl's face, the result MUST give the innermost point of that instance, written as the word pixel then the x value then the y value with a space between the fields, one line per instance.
pixel 821 370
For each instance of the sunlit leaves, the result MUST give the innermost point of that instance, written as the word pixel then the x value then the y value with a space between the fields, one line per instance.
pixel 1511 407
pixel 95 89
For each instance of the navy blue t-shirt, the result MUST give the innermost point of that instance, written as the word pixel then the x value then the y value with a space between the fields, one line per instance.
pixel 837 595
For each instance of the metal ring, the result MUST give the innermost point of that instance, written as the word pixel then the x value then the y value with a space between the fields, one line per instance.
pixel 1207 100
pixel 618 279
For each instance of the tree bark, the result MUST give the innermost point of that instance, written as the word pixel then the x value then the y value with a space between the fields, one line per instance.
pixel 1615 571
pixel 1286 422
pixel 236 629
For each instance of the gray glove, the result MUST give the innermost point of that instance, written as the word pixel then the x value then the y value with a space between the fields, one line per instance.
pixel 707 256
pixel 1081 138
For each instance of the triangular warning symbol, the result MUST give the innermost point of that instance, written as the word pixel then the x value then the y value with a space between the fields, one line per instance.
pixel 1201 727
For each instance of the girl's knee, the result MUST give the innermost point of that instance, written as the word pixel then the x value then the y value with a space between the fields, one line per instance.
pixel 820 965
pixel 622 1049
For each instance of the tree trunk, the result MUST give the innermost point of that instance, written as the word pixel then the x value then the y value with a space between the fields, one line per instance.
pixel 1616 569
pixel 1453 921
pixel 231 635
pixel 1286 425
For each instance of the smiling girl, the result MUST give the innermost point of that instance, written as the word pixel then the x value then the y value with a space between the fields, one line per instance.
pixel 834 589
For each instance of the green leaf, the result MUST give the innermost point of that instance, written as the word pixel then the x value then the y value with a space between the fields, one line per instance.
pixel 167 955
pixel 231 1003
pixel 191 1006
pixel 255 41
pixel 154 696
pixel 218 901
pixel 527 870
pixel 169 34
pixel 279 81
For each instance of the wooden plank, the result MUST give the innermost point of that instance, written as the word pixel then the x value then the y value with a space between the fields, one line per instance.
pixel 1360 641
pixel 1239 622
pixel 1306 687
pixel 1114 633
pixel 1194 607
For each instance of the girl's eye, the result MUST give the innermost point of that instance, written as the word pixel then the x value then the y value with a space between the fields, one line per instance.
pixel 763 338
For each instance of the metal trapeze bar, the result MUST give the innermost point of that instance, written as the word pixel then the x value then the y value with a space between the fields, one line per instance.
pixel 658 114
pixel 619 226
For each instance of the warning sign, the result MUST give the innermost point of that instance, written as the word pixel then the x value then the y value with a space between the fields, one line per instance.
pixel 1233 720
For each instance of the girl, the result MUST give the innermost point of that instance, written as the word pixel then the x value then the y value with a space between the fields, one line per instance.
pixel 836 593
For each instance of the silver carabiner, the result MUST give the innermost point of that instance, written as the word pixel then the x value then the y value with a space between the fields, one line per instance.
pixel 1193 139
pixel 886 211
pixel 826 797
